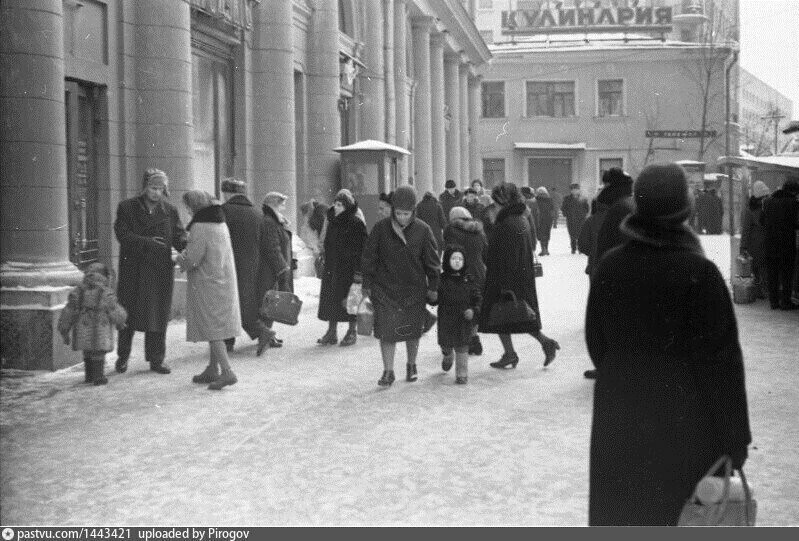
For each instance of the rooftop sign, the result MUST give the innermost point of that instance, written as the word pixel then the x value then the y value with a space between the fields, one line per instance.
pixel 546 21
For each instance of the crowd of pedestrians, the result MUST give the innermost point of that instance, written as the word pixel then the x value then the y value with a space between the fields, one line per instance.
pixel 660 326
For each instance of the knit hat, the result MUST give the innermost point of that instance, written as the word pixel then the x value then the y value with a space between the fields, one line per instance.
pixel 449 184
pixel 345 197
pixel 526 191
pixel 661 194
pixel 234 185
pixel 274 198
pixel 541 191
pixel 404 198
pixel 156 177
pixel 459 212
pixel 506 194
pixel 759 189
pixel 615 175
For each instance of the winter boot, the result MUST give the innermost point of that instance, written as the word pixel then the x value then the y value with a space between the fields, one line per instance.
pixel 209 375
pixel 88 369
pixel 475 346
pixel 410 372
pixel 508 359
pixel 386 379
pixel 227 377
pixel 99 372
pixel 446 362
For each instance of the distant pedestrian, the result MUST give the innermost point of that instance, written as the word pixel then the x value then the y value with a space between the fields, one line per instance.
pixel 149 231
pixel 575 208
pixel 483 196
pixel 546 214
pixel 557 203
pixel 715 212
pixel 450 197
pixel 89 318
pixel 529 199
pixel 212 297
pixel 400 274
pixel 467 232
pixel 471 203
pixel 618 194
pixel 343 248
pixel 669 398
pixel 753 236
pixel 276 266
pixel 310 228
pixel 244 223
pixel 511 253
pixel 430 211
pixel 458 302
pixel 780 218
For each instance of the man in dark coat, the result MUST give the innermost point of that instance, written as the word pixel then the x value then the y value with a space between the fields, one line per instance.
pixel 472 204
pixel 244 222
pixel 575 209
pixel 148 230
pixel 670 395
pixel 431 212
pixel 780 217
pixel 702 211
pixel 450 197
pixel 715 212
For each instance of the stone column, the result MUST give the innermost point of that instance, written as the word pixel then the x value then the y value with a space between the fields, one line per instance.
pixel 324 128
pixel 388 62
pixel 403 128
pixel 372 79
pixel 463 94
pixel 35 273
pixel 438 134
pixel 422 146
pixel 163 95
pixel 273 138
pixel 476 162
pixel 453 131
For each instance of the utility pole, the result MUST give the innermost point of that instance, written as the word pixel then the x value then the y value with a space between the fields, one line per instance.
pixel 775 117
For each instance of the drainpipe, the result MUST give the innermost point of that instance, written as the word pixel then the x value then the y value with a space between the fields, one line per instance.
pixel 728 167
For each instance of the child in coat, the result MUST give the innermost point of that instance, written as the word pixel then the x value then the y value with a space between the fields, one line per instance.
pixel 459 301
pixel 89 319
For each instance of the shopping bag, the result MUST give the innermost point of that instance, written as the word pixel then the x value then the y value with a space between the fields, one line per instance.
pixel 353 300
pixel 281 306
pixel 727 509
pixel 365 318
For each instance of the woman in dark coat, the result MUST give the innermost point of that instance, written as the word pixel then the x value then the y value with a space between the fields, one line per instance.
pixel 275 269
pixel 148 230
pixel 511 251
pixel 669 396
pixel 400 273
pixel 753 235
pixel 546 217
pixel 430 211
pixel 344 240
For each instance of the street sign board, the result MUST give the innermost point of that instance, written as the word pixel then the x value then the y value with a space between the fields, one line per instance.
pixel 680 134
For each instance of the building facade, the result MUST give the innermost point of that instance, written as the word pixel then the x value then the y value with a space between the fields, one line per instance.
pixel 764 112
pixel 94 92
pixel 575 88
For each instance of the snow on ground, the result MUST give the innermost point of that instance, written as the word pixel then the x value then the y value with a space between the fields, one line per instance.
pixel 307 437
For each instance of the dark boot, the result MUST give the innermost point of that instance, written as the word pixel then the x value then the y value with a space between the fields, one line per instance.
pixel 410 372
pixel 227 377
pixel 264 339
pixel 121 365
pixel 160 367
pixel 329 338
pixel 350 338
pixel 88 369
pixel 230 343
pixel 386 379
pixel 508 359
pixel 99 372
pixel 475 346
pixel 209 375
pixel 446 362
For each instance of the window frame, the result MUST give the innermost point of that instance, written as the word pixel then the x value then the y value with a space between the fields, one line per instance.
pixel 504 99
pixel 575 93
pixel 623 97
pixel 485 159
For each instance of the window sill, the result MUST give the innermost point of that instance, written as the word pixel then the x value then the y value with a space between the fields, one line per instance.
pixel 574 118
pixel 611 117
pixel 494 118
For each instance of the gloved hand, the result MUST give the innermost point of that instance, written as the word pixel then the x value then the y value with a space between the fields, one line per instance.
pixel 432 296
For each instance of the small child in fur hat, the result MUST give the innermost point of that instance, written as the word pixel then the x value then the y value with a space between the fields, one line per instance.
pixel 89 319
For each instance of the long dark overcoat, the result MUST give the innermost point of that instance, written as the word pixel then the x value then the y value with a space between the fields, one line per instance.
pixel 274 267
pixel 575 209
pixel 669 398
pixel 346 235
pixel 715 213
pixel 146 270
pixel 510 267
pixel 753 233
pixel 546 214
pixel 780 221
pixel 244 223
pixel 469 234
pixel 400 269
pixel 430 211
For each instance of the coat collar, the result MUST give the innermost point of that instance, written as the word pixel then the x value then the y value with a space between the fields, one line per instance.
pixel 269 212
pixel 516 209
pixel 158 206
pixel 210 215
pixel 661 235
pixel 469 226
pixel 239 199
pixel 613 192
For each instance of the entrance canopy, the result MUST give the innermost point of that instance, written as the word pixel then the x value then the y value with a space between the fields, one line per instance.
pixel 549 146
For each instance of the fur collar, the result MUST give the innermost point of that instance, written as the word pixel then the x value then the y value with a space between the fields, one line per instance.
pixel 613 192
pixel 210 215
pixel 269 212
pixel 469 226
pixel 429 195
pixel 515 209
pixel 661 235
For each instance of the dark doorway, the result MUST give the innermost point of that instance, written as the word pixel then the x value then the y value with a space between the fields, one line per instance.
pixel 550 172
pixel 82 142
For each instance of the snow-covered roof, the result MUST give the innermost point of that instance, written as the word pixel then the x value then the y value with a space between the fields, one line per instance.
pixel 581 42
pixel 371 144
pixel 690 162
pixel 787 161
pixel 549 146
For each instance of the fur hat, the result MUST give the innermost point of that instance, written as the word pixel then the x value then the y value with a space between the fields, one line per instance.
pixel 404 198
pixel 471 191
pixel 615 175
pixel 234 185
pixel 459 212
pixel 526 191
pixel 274 198
pixel 759 189
pixel 450 184
pixel 345 197
pixel 505 194
pixel 541 192
pixel 661 193
pixel 156 177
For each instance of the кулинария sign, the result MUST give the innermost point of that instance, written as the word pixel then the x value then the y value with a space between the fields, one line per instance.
pixel 594 19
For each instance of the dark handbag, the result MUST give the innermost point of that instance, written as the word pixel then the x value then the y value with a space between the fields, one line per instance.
pixel 510 311
pixel 538 269
pixel 281 306
pixel 400 320
pixel 726 511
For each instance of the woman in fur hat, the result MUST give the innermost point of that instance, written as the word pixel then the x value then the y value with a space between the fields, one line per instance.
pixel 400 274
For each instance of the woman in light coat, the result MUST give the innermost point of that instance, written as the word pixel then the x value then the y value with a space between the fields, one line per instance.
pixel 212 298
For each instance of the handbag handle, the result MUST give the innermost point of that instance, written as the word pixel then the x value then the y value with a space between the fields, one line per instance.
pixel 747 497
pixel 728 470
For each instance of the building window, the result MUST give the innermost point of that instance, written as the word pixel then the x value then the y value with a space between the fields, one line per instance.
pixel 607 163
pixel 493 172
pixel 610 97
pixel 212 115
pixel 555 99
pixel 493 99
pixel 344 113
pixel 343 18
